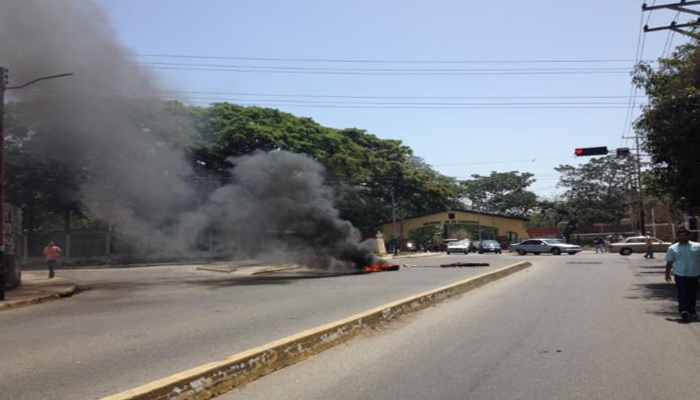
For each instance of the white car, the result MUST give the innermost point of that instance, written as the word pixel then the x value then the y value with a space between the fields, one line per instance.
pixel 539 246
pixel 457 247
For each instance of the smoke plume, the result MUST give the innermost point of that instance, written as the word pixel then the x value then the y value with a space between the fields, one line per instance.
pixel 277 206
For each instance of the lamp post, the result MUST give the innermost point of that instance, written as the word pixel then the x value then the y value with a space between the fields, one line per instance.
pixel 4 80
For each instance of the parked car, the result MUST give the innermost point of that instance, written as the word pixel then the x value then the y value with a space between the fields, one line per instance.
pixel 539 246
pixel 637 244
pixel 474 246
pixel 489 246
pixel 457 247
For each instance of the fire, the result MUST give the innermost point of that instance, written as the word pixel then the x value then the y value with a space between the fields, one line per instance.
pixel 380 267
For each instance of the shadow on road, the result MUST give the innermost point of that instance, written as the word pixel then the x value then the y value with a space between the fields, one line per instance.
pixel 658 291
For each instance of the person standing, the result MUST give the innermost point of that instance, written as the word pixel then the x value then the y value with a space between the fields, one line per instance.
pixel 51 252
pixel 598 244
pixel 648 242
pixel 683 259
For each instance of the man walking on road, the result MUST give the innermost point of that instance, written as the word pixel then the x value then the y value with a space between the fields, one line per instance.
pixel 650 246
pixel 51 252
pixel 684 259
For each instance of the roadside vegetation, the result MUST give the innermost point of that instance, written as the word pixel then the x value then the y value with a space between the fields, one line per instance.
pixel 369 174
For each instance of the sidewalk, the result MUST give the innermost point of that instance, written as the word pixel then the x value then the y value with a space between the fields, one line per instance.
pixel 37 288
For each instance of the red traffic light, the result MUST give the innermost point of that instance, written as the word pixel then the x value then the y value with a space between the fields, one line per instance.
pixel 591 151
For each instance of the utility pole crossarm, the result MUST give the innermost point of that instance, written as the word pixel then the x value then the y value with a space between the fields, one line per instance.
pixel 672 6
pixel 681 7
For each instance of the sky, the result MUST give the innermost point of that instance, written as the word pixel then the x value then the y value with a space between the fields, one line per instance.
pixel 471 86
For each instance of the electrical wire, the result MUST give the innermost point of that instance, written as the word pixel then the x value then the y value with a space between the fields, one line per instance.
pixel 633 87
pixel 379 61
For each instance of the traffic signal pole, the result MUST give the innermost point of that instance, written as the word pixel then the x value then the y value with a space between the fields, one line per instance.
pixel 621 152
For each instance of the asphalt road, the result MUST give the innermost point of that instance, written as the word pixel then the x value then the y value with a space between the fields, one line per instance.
pixel 137 325
pixel 592 326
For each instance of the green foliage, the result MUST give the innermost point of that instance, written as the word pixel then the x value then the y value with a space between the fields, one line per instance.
pixel 599 191
pixel 501 192
pixel 669 124
pixel 548 213
pixel 426 235
pixel 365 170
pixel 368 174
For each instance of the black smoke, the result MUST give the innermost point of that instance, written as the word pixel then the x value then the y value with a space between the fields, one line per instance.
pixel 140 181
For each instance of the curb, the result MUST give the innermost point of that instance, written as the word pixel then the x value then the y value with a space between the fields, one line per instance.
pixel 7 304
pixel 212 379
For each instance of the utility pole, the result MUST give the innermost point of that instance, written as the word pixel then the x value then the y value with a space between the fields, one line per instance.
pixel 4 81
pixel 642 225
pixel 3 86
pixel 393 219
pixel 673 26
pixel 638 182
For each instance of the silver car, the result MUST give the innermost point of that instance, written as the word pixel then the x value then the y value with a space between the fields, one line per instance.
pixel 539 246
pixel 457 247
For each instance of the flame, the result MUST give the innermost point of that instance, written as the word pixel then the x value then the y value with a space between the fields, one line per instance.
pixel 380 267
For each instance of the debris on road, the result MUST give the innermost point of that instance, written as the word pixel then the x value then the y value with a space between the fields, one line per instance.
pixel 463 264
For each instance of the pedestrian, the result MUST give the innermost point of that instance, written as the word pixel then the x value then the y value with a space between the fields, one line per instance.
pixel 51 252
pixel 683 259
pixel 648 242
pixel 598 244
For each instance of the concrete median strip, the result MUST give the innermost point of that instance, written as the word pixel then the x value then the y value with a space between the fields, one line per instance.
pixel 210 380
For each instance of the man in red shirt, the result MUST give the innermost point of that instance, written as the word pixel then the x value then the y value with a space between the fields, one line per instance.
pixel 51 252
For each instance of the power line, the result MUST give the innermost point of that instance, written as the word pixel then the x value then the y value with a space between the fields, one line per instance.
pixel 322 105
pixel 669 36
pixel 633 88
pixel 394 97
pixel 387 103
pixel 380 61
pixel 396 72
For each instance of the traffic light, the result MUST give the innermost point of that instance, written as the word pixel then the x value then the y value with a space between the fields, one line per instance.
pixel 591 151
pixel 623 152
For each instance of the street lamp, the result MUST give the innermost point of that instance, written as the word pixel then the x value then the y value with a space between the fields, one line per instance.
pixel 4 80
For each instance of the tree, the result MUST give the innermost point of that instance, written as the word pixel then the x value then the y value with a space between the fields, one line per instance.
pixel 364 170
pixel 501 192
pixel 598 191
pixel 548 213
pixel 669 125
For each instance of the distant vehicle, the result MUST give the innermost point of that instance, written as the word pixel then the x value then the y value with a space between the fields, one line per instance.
pixel 489 246
pixel 457 247
pixel 539 246
pixel 637 244
pixel 474 246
